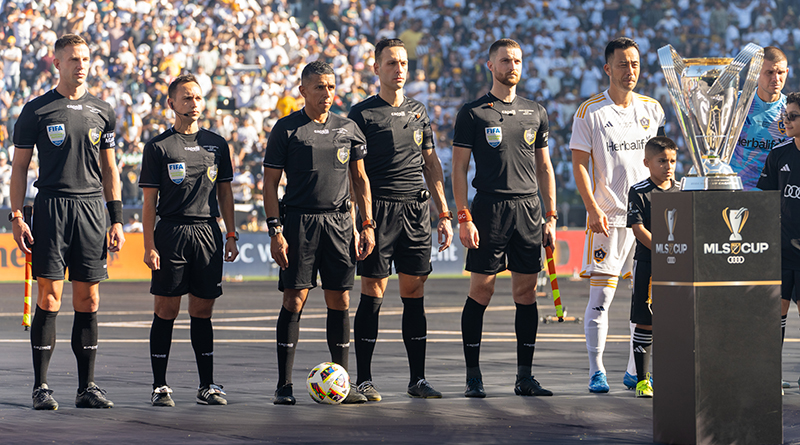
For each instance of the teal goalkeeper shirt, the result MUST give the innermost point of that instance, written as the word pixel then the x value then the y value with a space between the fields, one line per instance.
pixel 762 131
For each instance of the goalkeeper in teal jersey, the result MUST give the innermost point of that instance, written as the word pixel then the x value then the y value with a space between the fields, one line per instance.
pixel 763 129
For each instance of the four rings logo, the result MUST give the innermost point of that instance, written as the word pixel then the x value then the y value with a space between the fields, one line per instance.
pixel 735 219
pixel 791 191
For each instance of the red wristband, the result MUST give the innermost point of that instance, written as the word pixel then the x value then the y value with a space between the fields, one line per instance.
pixel 551 213
pixel 230 235
pixel 464 216
pixel 448 214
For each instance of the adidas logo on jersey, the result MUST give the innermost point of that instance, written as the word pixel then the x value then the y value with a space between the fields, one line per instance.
pixel 608 124
pixel 785 168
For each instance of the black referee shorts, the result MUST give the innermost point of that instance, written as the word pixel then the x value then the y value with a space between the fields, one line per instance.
pixel 319 242
pixel 641 311
pixel 191 259
pixel 403 236
pixel 790 280
pixel 69 232
pixel 510 233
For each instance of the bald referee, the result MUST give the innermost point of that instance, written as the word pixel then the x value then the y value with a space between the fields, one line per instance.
pixel 318 150
pixel 401 153
pixel 507 136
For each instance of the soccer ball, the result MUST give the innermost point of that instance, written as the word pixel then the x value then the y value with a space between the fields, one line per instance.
pixel 328 383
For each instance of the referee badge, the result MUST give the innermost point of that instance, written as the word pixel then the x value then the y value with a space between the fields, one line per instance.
pixel 212 173
pixel 94 136
pixel 418 136
pixel 343 154
pixel 57 134
pixel 530 136
pixel 645 123
pixel 494 136
pixel 177 172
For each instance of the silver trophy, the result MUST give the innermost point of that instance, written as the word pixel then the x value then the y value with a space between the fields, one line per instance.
pixel 671 216
pixel 711 110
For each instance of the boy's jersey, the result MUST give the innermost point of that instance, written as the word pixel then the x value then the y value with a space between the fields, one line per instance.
pixel 639 210
pixel 782 172
pixel 615 137
pixel 762 131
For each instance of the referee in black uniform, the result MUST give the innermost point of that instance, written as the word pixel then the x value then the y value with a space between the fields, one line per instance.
pixel 317 149
pixel 507 135
pixel 186 172
pixel 401 153
pixel 74 134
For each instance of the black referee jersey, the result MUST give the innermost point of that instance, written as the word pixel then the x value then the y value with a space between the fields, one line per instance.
pixel 315 158
pixel 503 138
pixel 782 172
pixel 69 135
pixel 639 210
pixel 186 168
pixel 396 137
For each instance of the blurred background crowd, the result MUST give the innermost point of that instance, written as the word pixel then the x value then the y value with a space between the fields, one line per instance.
pixel 248 55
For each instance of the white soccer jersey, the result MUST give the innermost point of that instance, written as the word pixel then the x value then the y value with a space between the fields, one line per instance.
pixel 615 138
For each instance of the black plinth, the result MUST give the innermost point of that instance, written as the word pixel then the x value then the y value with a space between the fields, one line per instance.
pixel 716 318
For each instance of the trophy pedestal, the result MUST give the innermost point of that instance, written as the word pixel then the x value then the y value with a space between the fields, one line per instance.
pixel 716 317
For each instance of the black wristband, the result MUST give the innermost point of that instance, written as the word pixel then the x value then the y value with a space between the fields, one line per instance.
pixel 273 222
pixel 115 211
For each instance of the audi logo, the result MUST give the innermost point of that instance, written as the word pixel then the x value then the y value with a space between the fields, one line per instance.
pixel 791 191
pixel 735 259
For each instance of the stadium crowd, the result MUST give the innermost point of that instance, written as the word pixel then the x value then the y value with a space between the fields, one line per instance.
pixel 248 54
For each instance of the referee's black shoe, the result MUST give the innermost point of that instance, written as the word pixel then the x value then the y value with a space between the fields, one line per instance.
pixel 474 388
pixel 528 386
pixel 43 398
pixel 354 396
pixel 93 397
pixel 283 395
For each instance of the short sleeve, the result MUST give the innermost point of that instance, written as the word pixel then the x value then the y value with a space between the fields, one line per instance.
pixel 544 129
pixel 225 164
pixel 277 147
pixel 464 129
pixel 26 130
pixel 109 140
pixel 769 174
pixel 635 208
pixel 358 144
pixel 581 133
pixel 150 176
pixel 428 142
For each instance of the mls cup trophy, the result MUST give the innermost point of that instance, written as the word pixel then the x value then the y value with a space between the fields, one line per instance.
pixel 711 111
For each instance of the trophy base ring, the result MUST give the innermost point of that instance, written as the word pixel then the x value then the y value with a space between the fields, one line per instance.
pixel 695 183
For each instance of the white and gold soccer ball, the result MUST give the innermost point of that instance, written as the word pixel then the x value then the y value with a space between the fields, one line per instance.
pixel 328 383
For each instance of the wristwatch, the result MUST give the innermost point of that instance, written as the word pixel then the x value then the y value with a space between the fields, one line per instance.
pixel 552 213
pixel 234 235
pixel 447 215
pixel 275 230
pixel 369 223
pixel 14 215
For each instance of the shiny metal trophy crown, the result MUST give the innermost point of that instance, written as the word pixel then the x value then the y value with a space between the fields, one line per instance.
pixel 711 111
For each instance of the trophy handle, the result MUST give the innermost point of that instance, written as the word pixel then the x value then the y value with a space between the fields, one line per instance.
pixel 755 55
pixel 672 64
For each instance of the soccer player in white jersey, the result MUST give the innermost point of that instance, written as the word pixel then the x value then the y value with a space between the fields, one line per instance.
pixel 609 133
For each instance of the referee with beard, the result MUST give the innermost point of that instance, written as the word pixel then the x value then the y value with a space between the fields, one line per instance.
pixel 317 150
pixel 401 153
pixel 507 135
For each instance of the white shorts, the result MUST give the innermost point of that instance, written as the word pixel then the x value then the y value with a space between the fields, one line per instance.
pixel 612 255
